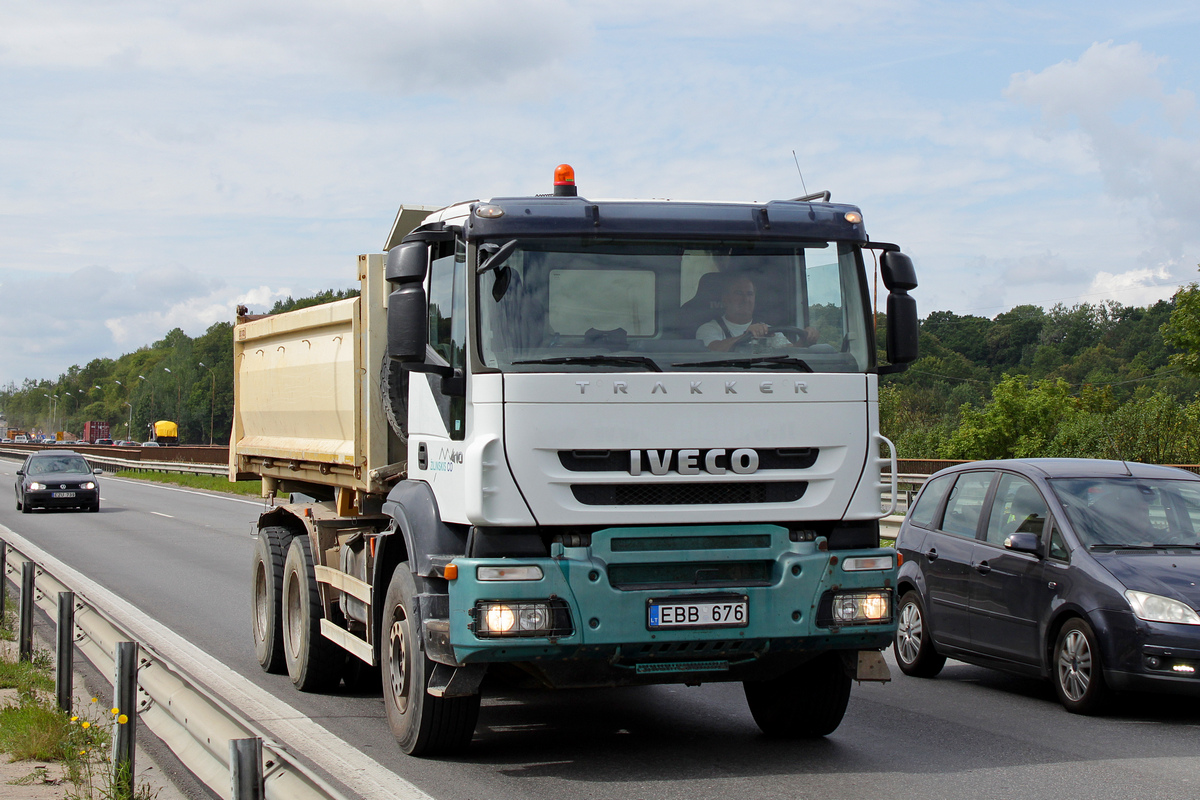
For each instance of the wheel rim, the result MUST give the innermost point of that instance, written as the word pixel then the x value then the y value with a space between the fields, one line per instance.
pixel 909 633
pixel 398 661
pixel 1074 666
pixel 260 602
pixel 292 616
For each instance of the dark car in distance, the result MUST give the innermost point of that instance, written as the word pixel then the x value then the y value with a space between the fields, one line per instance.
pixel 1077 570
pixel 57 479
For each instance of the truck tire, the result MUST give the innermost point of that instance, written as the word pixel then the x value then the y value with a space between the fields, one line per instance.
pixel 912 645
pixel 266 594
pixel 803 703
pixel 394 382
pixel 313 662
pixel 422 724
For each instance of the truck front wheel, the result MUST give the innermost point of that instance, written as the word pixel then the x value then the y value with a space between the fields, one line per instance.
pixel 805 702
pixel 313 662
pixel 266 592
pixel 422 724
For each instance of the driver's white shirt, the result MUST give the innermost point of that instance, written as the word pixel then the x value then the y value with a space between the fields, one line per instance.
pixel 711 332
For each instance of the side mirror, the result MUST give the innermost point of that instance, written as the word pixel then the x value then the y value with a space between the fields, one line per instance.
pixel 97 471
pixel 407 262
pixel 20 472
pixel 1023 543
pixel 408 325
pixel 903 334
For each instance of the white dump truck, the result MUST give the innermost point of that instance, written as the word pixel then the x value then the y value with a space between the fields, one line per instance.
pixel 592 443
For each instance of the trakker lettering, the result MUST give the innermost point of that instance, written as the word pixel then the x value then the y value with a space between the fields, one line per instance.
pixel 742 461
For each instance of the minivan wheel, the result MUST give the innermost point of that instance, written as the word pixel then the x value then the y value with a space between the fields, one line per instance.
pixel 912 646
pixel 1078 671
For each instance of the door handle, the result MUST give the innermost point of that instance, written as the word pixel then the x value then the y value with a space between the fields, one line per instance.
pixel 932 554
pixel 982 568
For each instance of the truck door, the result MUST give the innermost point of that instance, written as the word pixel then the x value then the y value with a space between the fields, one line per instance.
pixel 448 333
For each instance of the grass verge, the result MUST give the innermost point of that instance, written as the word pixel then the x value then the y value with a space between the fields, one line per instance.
pixel 34 728
pixel 211 483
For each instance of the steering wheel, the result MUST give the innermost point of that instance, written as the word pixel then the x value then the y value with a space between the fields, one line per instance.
pixel 794 334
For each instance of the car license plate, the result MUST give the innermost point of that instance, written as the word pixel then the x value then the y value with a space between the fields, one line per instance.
pixel 698 612
pixel 62 494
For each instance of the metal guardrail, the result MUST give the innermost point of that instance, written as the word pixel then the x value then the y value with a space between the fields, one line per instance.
pixel 195 724
pixel 113 463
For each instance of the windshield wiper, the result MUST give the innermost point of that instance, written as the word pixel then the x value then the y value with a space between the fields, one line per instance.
pixel 1145 547
pixel 616 361
pixel 747 363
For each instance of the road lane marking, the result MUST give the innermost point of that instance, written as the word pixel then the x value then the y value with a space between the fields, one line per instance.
pixel 216 496
pixel 160 514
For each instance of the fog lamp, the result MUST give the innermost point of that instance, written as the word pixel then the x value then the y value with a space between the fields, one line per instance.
pixel 511 618
pixel 858 608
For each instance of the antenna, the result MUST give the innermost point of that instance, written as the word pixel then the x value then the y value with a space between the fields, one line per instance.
pixel 797 160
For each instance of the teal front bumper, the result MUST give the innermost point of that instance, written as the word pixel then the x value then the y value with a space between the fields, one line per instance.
pixel 606 588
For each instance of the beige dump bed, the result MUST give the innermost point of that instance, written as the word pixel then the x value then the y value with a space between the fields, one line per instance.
pixel 307 403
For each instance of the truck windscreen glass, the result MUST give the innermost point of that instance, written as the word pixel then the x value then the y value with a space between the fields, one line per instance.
pixel 578 305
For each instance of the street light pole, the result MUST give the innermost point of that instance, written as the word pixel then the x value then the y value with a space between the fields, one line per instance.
pixel 129 425
pixel 212 402
pixel 178 390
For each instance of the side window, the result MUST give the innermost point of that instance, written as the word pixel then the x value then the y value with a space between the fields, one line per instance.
pixel 965 505
pixel 1058 548
pixel 922 514
pixel 1018 508
pixel 448 329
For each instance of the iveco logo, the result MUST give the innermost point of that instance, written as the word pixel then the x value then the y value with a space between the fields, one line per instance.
pixel 717 461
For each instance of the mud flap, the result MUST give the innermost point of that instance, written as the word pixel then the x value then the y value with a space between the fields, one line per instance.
pixel 449 681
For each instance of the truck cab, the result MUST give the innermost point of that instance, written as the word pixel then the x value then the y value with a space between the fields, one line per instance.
pixel 639 444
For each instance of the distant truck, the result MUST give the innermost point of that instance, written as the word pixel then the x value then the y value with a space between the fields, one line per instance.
pixel 513 453
pixel 164 432
pixel 94 431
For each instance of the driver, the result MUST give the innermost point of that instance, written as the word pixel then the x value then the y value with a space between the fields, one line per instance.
pixel 737 325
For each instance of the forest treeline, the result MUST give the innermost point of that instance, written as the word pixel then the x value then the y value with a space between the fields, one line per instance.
pixel 1091 380
pixel 1094 380
pixel 179 378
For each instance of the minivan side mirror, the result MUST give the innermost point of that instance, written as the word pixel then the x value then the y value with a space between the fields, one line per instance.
pixel 1023 543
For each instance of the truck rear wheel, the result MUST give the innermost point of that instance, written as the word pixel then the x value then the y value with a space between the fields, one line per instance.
pixel 803 703
pixel 266 593
pixel 422 724
pixel 313 662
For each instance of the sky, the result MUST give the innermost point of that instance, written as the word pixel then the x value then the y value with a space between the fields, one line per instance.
pixel 163 162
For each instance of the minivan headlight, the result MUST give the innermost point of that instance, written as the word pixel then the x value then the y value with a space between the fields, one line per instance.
pixel 1156 608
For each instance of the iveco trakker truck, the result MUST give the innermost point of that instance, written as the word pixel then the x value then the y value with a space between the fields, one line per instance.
pixel 521 452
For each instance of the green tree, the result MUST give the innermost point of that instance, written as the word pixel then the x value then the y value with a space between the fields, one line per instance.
pixel 1018 422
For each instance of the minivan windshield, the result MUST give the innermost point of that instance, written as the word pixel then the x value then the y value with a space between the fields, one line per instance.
pixel 568 304
pixel 1115 513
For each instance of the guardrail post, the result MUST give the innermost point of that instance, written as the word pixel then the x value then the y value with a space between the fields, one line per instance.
pixel 64 672
pixel 125 724
pixel 246 770
pixel 3 576
pixel 25 634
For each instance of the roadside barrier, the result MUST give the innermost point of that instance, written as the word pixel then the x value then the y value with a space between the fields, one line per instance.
pixel 197 726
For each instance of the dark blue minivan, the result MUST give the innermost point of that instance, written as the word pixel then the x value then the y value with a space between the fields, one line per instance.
pixel 1078 570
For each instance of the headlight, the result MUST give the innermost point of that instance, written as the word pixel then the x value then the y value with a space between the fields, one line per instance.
pixel 1156 608
pixel 89 485
pixel 37 487
pixel 862 608
pixel 495 618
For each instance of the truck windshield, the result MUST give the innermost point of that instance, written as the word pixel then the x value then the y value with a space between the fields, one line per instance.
pixel 558 305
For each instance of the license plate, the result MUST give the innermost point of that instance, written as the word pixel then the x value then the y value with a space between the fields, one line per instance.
pixel 698 612
pixel 62 494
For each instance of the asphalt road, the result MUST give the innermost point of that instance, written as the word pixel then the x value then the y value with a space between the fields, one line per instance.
pixel 183 557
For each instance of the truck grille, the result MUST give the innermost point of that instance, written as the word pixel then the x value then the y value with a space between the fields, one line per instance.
pixel 683 494
pixel 618 460
pixel 687 574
